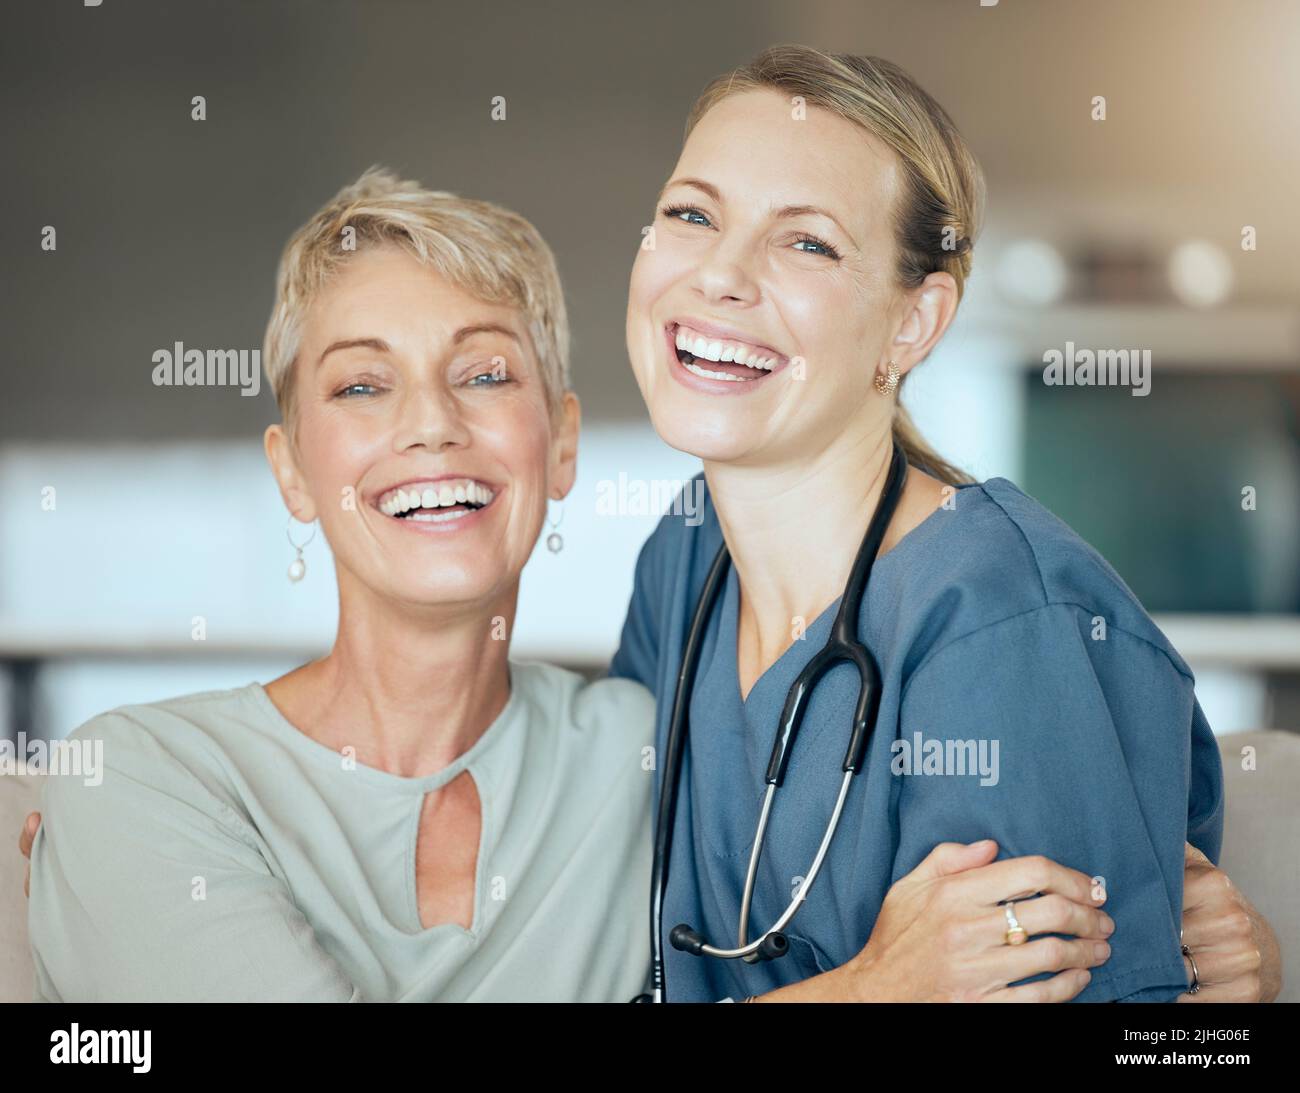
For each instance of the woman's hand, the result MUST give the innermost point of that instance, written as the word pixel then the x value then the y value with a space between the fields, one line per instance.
pixel 948 953
pixel 1236 952
pixel 940 934
pixel 25 839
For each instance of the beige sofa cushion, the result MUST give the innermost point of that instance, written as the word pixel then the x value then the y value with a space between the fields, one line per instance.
pixel 19 795
pixel 1261 835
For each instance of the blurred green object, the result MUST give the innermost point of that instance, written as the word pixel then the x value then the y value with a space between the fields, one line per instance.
pixel 1157 483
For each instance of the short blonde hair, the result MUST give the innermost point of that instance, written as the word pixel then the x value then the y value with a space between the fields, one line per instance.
pixel 489 251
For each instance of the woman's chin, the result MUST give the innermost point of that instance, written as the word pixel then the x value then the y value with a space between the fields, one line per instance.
pixel 460 590
pixel 717 437
pixel 411 584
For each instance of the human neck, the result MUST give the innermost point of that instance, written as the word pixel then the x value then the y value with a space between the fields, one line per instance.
pixel 409 692
pixel 793 531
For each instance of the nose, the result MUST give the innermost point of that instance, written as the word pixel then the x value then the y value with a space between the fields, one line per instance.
pixel 429 418
pixel 725 273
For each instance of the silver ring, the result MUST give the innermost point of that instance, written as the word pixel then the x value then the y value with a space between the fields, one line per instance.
pixel 1196 975
pixel 1016 934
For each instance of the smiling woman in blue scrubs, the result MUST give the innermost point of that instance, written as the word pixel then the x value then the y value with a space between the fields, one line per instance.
pixel 810 248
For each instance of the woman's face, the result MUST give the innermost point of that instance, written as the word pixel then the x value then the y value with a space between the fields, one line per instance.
pixel 772 238
pixel 408 388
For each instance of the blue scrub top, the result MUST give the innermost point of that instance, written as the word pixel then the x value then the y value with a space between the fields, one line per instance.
pixel 994 623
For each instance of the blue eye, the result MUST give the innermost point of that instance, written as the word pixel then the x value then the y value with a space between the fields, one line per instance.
pixel 826 249
pixel 352 389
pixel 682 212
pixel 495 376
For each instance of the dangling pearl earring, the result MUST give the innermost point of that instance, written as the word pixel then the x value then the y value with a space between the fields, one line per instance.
pixel 889 386
pixel 298 568
pixel 554 542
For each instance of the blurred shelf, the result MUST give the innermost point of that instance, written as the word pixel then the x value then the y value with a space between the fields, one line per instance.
pixel 1245 641
pixel 1250 641
pixel 21 642
pixel 1232 336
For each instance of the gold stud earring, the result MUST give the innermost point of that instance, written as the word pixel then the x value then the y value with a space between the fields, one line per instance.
pixel 889 386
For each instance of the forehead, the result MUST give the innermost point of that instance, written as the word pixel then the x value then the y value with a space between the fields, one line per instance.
pixel 752 146
pixel 388 286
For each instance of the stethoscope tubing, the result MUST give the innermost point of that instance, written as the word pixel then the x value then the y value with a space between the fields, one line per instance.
pixel 672 767
pixel 842 645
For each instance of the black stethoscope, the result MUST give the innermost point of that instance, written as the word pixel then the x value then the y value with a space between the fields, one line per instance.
pixel 842 645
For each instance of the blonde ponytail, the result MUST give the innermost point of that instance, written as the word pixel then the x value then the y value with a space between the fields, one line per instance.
pixel 920 454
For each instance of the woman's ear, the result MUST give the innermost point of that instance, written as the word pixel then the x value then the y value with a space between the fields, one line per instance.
pixel 927 313
pixel 564 446
pixel 284 465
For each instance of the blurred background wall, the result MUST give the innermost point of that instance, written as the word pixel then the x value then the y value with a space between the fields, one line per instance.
pixel 1169 226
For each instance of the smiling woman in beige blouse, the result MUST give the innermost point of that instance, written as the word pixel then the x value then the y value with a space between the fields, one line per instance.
pixel 415 816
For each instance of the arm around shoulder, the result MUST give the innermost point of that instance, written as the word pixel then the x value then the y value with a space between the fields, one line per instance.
pixel 1096 762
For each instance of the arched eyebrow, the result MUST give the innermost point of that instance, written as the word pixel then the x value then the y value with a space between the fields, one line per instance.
pixel 698 183
pixel 377 344
pixel 783 213
pixel 381 346
pixel 483 328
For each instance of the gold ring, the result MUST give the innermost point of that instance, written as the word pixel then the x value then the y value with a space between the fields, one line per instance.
pixel 1015 934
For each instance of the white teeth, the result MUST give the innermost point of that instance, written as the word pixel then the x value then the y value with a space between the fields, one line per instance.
pixel 723 352
pixel 708 375
pixel 426 517
pixel 432 496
